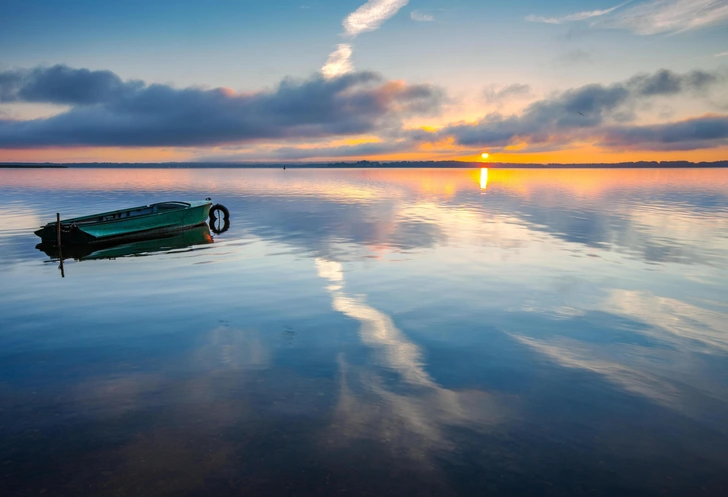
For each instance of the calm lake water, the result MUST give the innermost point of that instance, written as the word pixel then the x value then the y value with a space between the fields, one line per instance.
pixel 371 332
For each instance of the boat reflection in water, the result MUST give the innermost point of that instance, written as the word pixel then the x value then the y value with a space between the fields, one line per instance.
pixel 198 235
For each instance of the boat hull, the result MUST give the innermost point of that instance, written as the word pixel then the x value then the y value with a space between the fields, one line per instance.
pixel 122 225
pixel 196 235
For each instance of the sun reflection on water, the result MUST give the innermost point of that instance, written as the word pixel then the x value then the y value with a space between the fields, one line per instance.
pixel 483 178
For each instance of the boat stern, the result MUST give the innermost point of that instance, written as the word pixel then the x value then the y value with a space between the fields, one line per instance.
pixel 69 235
pixel 47 233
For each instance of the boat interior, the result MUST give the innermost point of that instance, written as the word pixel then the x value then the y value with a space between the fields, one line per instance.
pixel 134 212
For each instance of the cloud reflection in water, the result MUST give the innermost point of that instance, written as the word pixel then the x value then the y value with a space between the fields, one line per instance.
pixel 408 415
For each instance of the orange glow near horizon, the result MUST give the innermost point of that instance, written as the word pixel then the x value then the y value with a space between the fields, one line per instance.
pixel 87 155
pixel 594 155
pixel 443 151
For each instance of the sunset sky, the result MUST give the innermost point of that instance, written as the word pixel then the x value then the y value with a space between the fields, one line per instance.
pixel 329 80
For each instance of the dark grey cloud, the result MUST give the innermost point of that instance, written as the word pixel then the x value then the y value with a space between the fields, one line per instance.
pixel 692 134
pixel 63 85
pixel 580 113
pixel 107 111
pixel 665 82
pixel 545 120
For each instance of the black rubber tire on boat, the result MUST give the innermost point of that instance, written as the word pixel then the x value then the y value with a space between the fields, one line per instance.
pixel 219 207
pixel 216 228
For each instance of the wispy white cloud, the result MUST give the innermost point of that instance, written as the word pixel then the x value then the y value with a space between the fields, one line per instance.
pixel 579 16
pixel 419 16
pixel 722 54
pixel 339 62
pixel 368 17
pixel 651 17
pixel 371 15
pixel 666 16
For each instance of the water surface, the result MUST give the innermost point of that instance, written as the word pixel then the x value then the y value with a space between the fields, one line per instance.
pixel 372 332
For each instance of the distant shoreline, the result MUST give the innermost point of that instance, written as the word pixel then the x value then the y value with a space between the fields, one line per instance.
pixel 367 165
pixel 33 166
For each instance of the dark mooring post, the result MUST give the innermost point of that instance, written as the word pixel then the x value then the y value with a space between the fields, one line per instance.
pixel 58 240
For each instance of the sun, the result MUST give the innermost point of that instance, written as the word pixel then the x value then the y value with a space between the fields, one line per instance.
pixel 485 155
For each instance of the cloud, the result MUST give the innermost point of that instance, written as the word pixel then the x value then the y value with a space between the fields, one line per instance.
pixel 579 16
pixel 652 17
pixel 63 85
pixel 507 93
pixel 371 16
pixel 722 54
pixel 131 113
pixel 104 110
pixel 370 149
pixel 593 112
pixel 419 16
pixel 368 17
pixel 691 134
pixel 339 62
pixel 668 16
pixel 363 149
pixel 665 82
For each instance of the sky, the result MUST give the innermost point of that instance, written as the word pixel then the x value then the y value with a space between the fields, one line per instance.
pixel 330 80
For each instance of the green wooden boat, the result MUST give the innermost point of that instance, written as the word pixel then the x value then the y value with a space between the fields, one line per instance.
pixel 138 222
pixel 197 235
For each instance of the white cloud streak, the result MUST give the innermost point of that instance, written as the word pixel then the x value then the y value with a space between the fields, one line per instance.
pixel 418 16
pixel 339 62
pixel 371 15
pixel 579 16
pixel 368 17
pixel 669 16
pixel 722 54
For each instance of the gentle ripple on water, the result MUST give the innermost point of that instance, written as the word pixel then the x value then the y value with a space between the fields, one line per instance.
pixel 372 332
